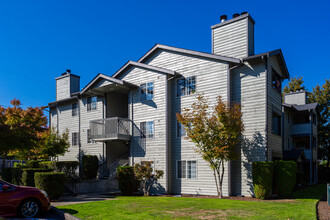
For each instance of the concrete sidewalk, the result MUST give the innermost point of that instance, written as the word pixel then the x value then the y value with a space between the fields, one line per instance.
pixel 83 198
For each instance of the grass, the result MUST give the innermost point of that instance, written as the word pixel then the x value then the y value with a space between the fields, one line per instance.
pixel 303 206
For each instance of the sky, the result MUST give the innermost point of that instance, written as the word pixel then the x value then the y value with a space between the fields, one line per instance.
pixel 39 40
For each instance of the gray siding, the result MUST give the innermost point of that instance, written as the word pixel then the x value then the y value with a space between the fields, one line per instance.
pixel 248 88
pixel 234 39
pixel 153 149
pixel 63 88
pixel 211 79
pixel 274 105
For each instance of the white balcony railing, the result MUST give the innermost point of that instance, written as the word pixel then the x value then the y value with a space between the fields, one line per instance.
pixel 110 129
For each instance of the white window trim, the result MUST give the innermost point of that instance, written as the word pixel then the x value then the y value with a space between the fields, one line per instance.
pixel 154 134
pixel 176 87
pixel 72 109
pixel 77 139
pixel 176 170
pixel 153 89
pixel 92 110
pixel 92 142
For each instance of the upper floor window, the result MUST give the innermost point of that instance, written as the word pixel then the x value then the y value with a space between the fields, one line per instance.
pixel 92 103
pixel 180 131
pixel 186 86
pixel 276 124
pixel 147 91
pixel 75 138
pixel 186 169
pixel 89 140
pixel 147 129
pixel 276 81
pixel 75 110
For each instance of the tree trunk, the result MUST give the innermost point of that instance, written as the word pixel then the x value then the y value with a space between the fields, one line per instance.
pixel 216 182
pixel 220 177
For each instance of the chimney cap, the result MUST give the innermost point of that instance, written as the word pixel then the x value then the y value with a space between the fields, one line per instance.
pixel 236 15
pixel 223 18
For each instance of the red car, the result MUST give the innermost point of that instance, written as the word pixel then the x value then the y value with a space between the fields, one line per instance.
pixel 22 200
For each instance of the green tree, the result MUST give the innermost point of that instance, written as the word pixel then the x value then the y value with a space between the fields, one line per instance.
pixel 54 144
pixel 215 133
pixel 145 173
pixel 295 84
pixel 321 95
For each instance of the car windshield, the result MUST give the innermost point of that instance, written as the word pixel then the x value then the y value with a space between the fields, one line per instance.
pixel 5 183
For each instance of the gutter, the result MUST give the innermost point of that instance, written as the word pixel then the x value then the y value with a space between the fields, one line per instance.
pixel 132 122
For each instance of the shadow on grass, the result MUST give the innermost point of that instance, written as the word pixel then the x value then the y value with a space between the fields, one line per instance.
pixel 311 192
pixel 70 211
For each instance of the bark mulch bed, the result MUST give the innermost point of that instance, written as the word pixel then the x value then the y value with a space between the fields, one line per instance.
pixel 323 210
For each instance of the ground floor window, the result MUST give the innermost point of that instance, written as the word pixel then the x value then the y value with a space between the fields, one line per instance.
pixel 186 169
pixel 89 140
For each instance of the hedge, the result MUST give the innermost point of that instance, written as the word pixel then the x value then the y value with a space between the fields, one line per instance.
pixel 90 166
pixel 32 163
pixel 262 177
pixel 6 175
pixel 284 177
pixel 47 164
pixel 12 175
pixel 28 175
pixel 51 182
pixel 127 182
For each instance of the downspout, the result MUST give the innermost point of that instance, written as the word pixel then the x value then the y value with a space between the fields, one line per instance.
pixel 79 153
pixel 166 136
pixel 229 104
pixel 104 116
pixel 132 123
pixel 57 118
pixel 282 131
pixel 311 148
pixel 264 59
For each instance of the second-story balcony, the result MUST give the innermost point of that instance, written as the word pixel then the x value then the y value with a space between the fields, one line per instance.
pixel 109 129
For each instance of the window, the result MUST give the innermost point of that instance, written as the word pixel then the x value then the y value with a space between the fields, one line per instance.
pixel 147 129
pixel 186 86
pixel 75 110
pixel 147 91
pixel 180 131
pixel 186 169
pixel 276 124
pixel 91 103
pixel 276 81
pixel 89 140
pixel 75 139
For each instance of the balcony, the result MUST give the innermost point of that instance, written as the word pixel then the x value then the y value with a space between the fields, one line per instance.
pixel 110 129
pixel 299 129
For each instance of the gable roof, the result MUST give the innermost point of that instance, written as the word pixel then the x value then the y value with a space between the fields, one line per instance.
pixel 278 53
pixel 188 52
pixel 109 78
pixel 144 66
pixel 304 107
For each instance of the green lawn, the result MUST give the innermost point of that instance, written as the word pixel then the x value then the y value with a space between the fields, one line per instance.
pixel 302 207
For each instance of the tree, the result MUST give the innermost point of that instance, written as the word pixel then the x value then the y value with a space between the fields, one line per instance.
pixel 295 84
pixel 215 134
pixel 21 128
pixel 54 144
pixel 144 173
pixel 321 95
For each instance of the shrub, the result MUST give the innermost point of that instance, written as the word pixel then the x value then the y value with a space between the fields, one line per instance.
pixel 284 177
pixel 90 166
pixel 262 177
pixel 20 165
pixel 32 163
pixel 145 173
pixel 67 167
pixel 16 175
pixel 28 175
pixel 128 183
pixel 6 175
pixel 47 164
pixel 51 182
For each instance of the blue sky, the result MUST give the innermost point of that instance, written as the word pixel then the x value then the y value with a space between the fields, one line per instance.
pixel 39 40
